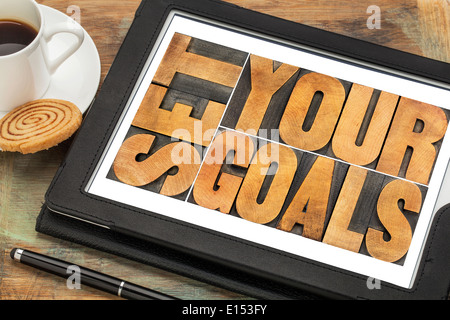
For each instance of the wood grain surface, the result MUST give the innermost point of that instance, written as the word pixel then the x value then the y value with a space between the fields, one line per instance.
pixel 338 232
pixel 222 198
pixel 294 128
pixel 249 203
pixel 397 225
pixel 313 194
pixel 347 143
pixel 264 82
pixel 421 27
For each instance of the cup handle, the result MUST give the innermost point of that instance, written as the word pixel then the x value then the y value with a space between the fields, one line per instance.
pixel 50 31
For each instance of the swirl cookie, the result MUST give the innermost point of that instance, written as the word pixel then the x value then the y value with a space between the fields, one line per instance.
pixel 38 125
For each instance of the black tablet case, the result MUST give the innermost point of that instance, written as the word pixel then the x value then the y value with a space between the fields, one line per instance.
pixel 191 250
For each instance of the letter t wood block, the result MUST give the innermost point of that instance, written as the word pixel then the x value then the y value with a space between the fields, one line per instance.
pixel 178 59
pixel 313 194
pixel 178 122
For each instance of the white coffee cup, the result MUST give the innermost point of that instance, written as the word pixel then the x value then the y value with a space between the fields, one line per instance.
pixel 26 74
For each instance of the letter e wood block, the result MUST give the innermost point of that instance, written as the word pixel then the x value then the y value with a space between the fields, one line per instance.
pixel 177 123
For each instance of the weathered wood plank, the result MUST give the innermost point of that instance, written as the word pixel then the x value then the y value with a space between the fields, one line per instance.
pixel 419 27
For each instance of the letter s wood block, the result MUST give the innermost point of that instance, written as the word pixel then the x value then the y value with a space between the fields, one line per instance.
pixel 394 221
pixel 139 173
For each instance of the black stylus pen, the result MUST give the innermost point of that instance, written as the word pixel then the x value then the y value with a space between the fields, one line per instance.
pixel 87 277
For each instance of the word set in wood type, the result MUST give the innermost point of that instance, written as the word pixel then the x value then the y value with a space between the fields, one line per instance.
pixel 278 145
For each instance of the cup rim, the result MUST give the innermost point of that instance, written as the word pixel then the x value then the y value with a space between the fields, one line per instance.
pixel 36 39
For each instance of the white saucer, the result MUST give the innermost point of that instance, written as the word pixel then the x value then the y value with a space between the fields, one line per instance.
pixel 78 78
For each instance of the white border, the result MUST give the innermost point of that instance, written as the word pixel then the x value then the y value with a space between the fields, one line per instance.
pixel 224 35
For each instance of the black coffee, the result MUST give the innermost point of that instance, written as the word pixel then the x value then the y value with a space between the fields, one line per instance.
pixel 14 36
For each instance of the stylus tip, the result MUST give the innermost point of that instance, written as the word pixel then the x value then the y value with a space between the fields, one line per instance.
pixel 12 253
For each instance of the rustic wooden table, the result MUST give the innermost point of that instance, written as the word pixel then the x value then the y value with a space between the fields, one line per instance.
pixel 417 26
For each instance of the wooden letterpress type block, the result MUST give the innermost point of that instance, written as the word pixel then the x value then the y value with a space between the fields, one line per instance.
pixel 156 163
pixel 190 66
pixel 202 87
pixel 266 183
pixel 214 188
pixel 416 127
pixel 305 128
pixel 384 227
pixel 310 203
pixel 178 59
pixel 259 98
pixel 265 82
pixel 363 126
pixel 392 217
pixel 366 206
pixel 337 232
pixel 178 122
